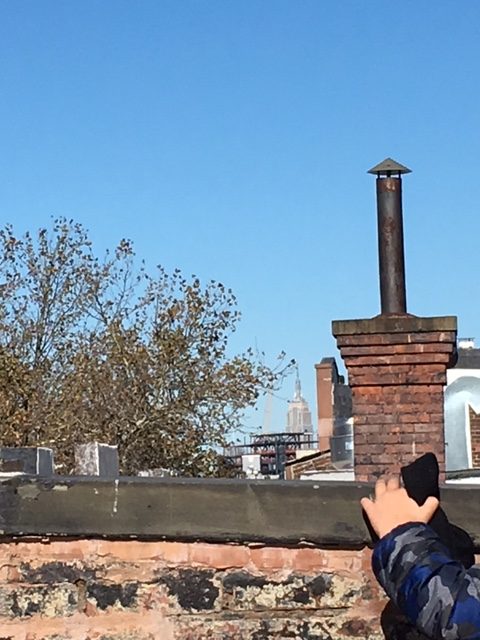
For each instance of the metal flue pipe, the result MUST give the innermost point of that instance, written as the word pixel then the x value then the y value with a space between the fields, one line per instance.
pixel 391 258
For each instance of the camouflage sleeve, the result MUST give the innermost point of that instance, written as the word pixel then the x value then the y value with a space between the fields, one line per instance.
pixel 437 594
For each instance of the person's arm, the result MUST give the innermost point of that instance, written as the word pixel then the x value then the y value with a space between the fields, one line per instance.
pixel 433 591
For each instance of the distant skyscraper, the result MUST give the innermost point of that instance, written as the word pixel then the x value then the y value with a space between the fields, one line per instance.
pixel 299 418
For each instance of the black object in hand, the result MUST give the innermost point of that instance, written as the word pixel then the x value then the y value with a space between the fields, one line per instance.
pixel 420 479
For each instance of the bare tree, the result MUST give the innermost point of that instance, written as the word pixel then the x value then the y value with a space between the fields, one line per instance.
pixel 100 349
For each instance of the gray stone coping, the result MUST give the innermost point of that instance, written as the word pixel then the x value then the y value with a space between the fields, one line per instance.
pixel 282 513
pixel 394 324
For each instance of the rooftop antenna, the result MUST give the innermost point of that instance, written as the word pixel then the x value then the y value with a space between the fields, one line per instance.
pixel 298 386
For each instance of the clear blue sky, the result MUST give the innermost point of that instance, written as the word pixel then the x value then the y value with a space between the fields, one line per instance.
pixel 231 139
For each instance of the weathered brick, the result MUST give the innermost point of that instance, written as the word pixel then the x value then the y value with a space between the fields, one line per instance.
pixel 54 572
pixel 105 595
pixel 268 558
pixel 48 601
pixel 193 589
pixel 395 360
pixel 113 591
pixel 53 550
pixel 380 419
pixel 218 556
pixel 112 625
pixel 448 337
pixel 312 560
pixel 396 349
pixel 368 449
pixel 475 437
pixel 338 625
pixel 169 552
pixel 415 418
pixel 245 591
pixel 422 371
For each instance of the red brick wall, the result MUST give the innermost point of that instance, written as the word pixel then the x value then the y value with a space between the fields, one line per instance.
pixel 103 590
pixel 475 437
pixel 397 371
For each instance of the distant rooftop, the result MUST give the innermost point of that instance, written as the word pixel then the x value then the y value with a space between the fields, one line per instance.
pixel 468 358
pixel 466 343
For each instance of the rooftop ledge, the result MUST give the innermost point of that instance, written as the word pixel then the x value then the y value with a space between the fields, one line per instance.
pixel 282 513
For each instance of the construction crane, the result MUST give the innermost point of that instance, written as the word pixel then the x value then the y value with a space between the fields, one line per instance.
pixel 267 412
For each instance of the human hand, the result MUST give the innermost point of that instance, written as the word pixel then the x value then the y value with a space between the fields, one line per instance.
pixel 392 507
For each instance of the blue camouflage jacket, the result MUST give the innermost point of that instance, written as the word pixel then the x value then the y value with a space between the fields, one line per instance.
pixel 438 595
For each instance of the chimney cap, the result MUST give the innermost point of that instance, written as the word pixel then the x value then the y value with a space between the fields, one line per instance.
pixel 389 166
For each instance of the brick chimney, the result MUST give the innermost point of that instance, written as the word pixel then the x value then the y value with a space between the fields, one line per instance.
pixel 396 362
pixel 334 405
pixel 325 378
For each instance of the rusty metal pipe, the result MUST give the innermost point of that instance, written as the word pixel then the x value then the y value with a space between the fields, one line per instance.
pixel 393 295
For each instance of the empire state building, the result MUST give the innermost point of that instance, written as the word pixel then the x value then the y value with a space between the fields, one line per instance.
pixel 299 418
